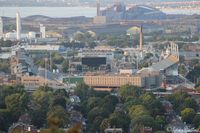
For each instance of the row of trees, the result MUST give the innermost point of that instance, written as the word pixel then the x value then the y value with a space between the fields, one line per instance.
pixel 143 108
pixel 41 104
pixel 186 107
pixel 133 109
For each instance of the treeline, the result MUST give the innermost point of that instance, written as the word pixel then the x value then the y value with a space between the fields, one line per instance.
pixel 131 108
pixel 39 105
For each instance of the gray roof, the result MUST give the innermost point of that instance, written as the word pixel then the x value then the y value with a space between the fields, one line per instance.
pixel 166 63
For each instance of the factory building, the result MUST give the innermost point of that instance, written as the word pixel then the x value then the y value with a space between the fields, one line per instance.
pixel 151 79
pixel 121 12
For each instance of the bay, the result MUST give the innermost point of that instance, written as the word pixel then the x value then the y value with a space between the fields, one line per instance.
pixel 60 12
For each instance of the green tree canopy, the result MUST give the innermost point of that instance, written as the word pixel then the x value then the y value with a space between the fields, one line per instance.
pixel 137 110
pixel 119 119
pixel 140 122
pixel 82 90
pixel 61 114
pixel 187 115
pixel 129 91
pixel 65 66
pixel 17 103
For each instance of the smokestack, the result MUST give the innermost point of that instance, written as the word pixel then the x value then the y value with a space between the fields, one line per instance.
pixel 98 8
pixel 1 27
pixel 141 38
pixel 18 25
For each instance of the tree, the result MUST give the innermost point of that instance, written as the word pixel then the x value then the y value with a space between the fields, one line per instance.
pixel 130 102
pixel 129 90
pixel 65 66
pixel 194 62
pixel 94 126
pixel 40 102
pixel 61 92
pixel 82 90
pixel 148 56
pixel 104 124
pixel 194 74
pixel 177 100
pixel 147 98
pixel 92 114
pixel 79 68
pixel 55 118
pixel 137 110
pixel 190 103
pixel 198 88
pixel 93 102
pixel 5 119
pixel 140 122
pixel 79 36
pixel 8 90
pixel 57 58
pixel 187 115
pixel 60 113
pixel 75 129
pixel 17 103
pixel 59 100
pixel 182 70
pixel 109 103
pixel 196 121
pixel 119 119
pixel 160 122
pixel 4 66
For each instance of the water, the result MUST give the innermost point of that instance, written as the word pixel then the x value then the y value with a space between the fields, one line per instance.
pixel 68 11
pixel 182 11
pixel 49 11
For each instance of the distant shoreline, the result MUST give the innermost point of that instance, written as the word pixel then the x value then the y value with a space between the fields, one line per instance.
pixel 70 11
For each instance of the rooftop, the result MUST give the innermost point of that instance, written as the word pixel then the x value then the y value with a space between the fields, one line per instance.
pixel 166 63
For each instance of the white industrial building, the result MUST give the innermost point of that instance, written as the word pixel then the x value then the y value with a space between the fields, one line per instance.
pixel 43 30
pixel 33 48
pixel 14 35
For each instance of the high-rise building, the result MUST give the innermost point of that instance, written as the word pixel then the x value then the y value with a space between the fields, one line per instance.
pixel 1 27
pixel 43 30
pixel 18 26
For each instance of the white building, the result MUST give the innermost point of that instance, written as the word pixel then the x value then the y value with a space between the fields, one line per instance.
pixel 31 35
pixel 33 48
pixel 43 30
pixel 18 25
pixel 1 27
pixel 97 53
pixel 13 36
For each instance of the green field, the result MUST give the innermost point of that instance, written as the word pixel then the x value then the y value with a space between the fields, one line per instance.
pixel 73 80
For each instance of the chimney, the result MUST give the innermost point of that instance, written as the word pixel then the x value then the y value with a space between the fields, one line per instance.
pixel 141 38
pixel 98 8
